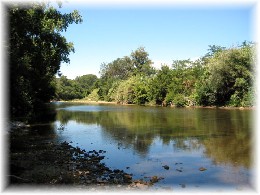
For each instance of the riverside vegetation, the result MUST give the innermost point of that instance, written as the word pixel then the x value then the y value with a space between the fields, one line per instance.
pixel 222 77
pixel 36 48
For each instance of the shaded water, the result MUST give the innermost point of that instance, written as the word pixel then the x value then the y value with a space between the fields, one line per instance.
pixel 141 140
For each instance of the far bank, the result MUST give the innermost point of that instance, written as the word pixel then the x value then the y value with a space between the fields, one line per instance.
pixel 155 105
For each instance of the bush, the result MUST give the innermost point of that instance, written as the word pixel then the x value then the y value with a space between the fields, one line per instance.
pixel 179 100
pixel 249 98
pixel 93 96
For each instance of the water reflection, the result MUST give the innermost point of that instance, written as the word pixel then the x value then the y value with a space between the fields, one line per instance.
pixel 224 134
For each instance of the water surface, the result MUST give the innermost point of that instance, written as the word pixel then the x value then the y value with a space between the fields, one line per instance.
pixel 141 140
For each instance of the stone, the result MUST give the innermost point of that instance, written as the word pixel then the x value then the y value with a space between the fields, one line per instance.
pixel 154 179
pixel 202 169
pixel 166 167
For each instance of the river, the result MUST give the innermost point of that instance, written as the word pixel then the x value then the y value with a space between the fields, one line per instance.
pixel 191 148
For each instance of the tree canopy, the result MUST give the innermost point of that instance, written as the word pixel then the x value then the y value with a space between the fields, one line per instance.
pixel 222 77
pixel 36 49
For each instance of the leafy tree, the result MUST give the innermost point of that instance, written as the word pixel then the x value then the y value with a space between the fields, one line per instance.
pixel 181 82
pixel 122 69
pixel 228 77
pixel 124 93
pixel 132 91
pixel 93 96
pixel 67 89
pixel 119 69
pixel 36 49
pixel 141 88
pixel 160 84
pixel 86 84
pixel 141 62
pixel 78 88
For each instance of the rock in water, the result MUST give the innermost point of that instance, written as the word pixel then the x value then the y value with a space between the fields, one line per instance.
pixel 154 179
pixel 202 169
pixel 166 167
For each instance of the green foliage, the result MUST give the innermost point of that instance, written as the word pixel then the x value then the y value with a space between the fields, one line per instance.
pixel 122 69
pixel 159 85
pixel 204 94
pixel 131 91
pixel 86 83
pixel 82 86
pixel 169 97
pixel 140 88
pixel 124 93
pixel 93 96
pixel 248 99
pixel 67 89
pixel 36 49
pixel 228 77
pixel 223 77
pixel 141 62
pixel 119 69
pixel 179 100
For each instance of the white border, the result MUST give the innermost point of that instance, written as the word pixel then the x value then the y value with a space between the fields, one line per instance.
pixel 121 4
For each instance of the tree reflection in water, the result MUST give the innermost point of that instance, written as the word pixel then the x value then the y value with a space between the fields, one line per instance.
pixel 225 135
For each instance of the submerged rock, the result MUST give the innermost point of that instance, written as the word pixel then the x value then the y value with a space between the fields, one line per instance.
pixel 166 167
pixel 202 169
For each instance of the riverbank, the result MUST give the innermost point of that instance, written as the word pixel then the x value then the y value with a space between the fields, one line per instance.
pixel 34 161
pixel 86 102
pixel 206 107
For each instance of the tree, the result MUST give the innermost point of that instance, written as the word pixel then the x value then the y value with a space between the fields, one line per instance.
pixel 86 83
pixel 131 91
pixel 141 62
pixel 228 78
pixel 113 72
pixel 160 84
pixel 181 83
pixel 122 69
pixel 119 69
pixel 213 49
pixel 36 49
pixel 93 96
pixel 67 89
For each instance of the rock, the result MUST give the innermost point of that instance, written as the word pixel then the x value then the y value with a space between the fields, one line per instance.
pixel 141 186
pixel 166 167
pixel 88 181
pixel 127 176
pixel 154 179
pixel 117 171
pixel 202 169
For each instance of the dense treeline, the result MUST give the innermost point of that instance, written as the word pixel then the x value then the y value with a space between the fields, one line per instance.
pixel 36 48
pixel 82 86
pixel 222 77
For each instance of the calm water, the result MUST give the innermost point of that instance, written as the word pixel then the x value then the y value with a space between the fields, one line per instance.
pixel 141 140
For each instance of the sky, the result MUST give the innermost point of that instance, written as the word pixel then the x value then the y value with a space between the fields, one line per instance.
pixel 168 32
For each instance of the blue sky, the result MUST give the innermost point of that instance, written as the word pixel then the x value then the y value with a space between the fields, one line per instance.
pixel 167 33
